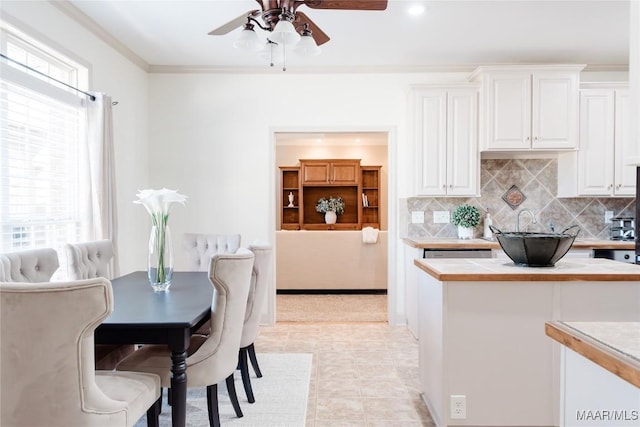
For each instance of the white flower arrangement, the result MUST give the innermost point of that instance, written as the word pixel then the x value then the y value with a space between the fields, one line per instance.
pixel 158 203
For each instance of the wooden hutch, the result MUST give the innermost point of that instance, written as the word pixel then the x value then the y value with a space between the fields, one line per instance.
pixel 359 187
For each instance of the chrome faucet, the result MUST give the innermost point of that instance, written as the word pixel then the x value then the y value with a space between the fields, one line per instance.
pixel 533 218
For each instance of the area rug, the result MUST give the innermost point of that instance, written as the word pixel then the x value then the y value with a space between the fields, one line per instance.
pixel 281 396
pixel 331 308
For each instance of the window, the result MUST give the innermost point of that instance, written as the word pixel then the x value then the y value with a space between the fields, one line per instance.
pixel 42 125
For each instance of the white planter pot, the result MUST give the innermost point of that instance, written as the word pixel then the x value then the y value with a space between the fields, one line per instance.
pixel 465 233
pixel 330 217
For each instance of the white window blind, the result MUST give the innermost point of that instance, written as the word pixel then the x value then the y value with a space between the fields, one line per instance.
pixel 42 127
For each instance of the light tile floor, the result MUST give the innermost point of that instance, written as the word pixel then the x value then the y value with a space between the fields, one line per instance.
pixel 364 374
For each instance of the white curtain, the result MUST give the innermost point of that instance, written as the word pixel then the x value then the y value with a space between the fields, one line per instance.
pixel 101 191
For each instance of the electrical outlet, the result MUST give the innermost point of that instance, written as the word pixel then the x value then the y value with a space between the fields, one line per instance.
pixel 607 217
pixel 417 217
pixel 458 407
pixel 441 217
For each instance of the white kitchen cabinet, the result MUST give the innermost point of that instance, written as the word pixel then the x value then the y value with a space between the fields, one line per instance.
pixel 529 107
pixel 598 168
pixel 446 141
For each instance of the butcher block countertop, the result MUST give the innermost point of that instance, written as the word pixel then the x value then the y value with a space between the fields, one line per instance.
pixel 613 345
pixel 453 243
pixel 500 270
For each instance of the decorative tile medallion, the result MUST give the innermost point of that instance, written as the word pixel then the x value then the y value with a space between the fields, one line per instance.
pixel 513 197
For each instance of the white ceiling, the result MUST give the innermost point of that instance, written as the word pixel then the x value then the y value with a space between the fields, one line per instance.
pixel 451 34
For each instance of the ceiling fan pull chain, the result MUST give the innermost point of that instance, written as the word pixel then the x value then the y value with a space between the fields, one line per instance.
pixel 284 58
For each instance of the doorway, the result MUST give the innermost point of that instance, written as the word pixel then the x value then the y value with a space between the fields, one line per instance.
pixel 299 257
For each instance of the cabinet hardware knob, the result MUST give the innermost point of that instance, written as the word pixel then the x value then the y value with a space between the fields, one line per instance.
pixel 450 185
pixel 527 139
pixel 535 139
pixel 444 186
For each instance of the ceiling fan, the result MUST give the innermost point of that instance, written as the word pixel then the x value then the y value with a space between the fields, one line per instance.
pixel 274 11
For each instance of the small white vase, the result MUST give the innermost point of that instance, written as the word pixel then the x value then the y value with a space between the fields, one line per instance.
pixel 330 217
pixel 465 233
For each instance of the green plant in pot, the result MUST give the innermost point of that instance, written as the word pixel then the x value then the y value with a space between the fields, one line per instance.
pixel 331 207
pixel 466 218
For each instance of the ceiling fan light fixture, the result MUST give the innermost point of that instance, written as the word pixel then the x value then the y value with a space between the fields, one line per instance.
pixel 284 33
pixel 248 40
pixel 307 46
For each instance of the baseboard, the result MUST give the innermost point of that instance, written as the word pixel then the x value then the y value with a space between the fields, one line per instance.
pixel 331 291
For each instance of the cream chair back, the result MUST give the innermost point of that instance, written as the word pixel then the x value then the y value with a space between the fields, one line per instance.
pixel 217 358
pixel 49 379
pixel 260 278
pixel 201 247
pixel 33 265
pixel 87 260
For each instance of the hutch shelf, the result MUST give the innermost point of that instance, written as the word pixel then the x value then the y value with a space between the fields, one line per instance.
pixel 359 187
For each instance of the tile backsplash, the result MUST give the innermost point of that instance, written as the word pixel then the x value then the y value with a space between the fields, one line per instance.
pixel 537 180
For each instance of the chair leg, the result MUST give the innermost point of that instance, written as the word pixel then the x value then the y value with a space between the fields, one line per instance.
pixel 212 405
pixel 231 388
pixel 254 362
pixel 169 397
pixel 243 365
pixel 153 413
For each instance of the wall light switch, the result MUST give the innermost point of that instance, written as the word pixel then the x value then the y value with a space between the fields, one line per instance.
pixel 417 217
pixel 441 217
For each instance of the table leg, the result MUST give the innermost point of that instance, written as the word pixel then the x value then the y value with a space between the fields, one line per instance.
pixel 178 344
pixel 178 388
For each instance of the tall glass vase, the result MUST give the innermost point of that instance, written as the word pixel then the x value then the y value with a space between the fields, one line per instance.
pixel 160 261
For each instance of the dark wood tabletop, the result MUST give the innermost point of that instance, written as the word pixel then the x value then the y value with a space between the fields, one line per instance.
pixel 142 316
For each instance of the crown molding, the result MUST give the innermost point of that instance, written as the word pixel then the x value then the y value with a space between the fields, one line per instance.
pixel 383 69
pixel 83 19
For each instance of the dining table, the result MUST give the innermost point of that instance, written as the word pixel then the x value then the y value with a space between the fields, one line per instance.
pixel 142 316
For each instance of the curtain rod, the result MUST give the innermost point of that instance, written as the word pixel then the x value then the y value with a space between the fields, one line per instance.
pixel 91 97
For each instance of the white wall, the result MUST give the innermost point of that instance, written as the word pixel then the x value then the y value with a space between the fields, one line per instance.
pixel 211 136
pixel 114 75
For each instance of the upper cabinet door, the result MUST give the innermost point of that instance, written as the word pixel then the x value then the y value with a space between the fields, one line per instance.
pixel 595 157
pixel 555 101
pixel 462 143
pixel 344 173
pixel 508 111
pixel 315 173
pixel 625 175
pixel 431 142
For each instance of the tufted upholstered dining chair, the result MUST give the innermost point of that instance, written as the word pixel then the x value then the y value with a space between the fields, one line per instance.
pixel 262 267
pixel 200 248
pixel 213 358
pixel 88 260
pixel 57 384
pixel 32 265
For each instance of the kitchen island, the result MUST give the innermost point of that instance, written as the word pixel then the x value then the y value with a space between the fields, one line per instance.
pixel 482 332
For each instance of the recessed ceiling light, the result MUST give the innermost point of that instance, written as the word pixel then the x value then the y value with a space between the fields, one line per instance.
pixel 416 9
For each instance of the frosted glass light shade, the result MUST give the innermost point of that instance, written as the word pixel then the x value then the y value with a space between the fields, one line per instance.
pixel 248 40
pixel 284 33
pixel 272 52
pixel 307 47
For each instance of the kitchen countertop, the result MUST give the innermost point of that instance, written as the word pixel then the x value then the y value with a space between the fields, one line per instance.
pixel 453 243
pixel 500 270
pixel 613 345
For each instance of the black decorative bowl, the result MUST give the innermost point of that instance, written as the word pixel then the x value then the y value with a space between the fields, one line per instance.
pixel 536 249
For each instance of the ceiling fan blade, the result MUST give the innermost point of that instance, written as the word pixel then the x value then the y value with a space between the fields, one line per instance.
pixel 318 35
pixel 347 4
pixel 233 24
